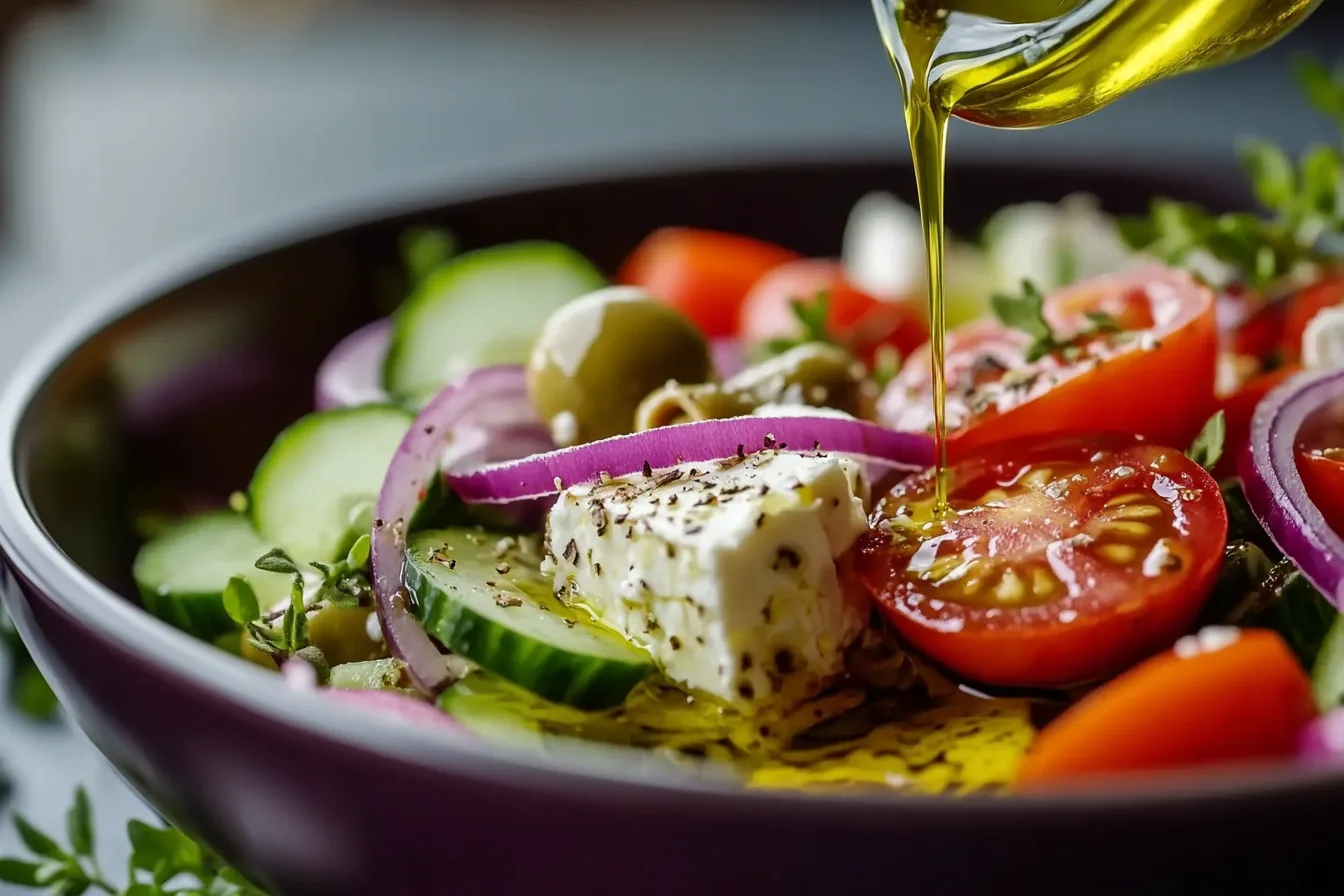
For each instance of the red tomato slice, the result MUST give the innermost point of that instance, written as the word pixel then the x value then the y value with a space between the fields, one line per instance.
pixel 703 273
pixel 1238 409
pixel 1156 381
pixel 1221 696
pixel 1062 561
pixel 1303 307
pixel 859 321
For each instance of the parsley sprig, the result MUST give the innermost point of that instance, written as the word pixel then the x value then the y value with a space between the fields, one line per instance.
pixel 344 583
pixel 163 862
pixel 1207 449
pixel 812 315
pixel 1026 312
pixel 1304 201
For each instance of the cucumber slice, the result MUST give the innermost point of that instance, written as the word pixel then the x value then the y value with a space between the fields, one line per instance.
pixel 313 492
pixel 1327 673
pixel 182 573
pixel 502 615
pixel 481 308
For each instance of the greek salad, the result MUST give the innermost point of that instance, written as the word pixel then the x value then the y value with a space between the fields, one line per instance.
pixel 687 507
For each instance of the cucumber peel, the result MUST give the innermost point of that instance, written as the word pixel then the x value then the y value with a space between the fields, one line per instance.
pixel 500 613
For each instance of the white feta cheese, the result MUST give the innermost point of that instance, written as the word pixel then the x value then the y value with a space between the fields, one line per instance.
pixel 1053 245
pixel 1323 339
pixel 725 571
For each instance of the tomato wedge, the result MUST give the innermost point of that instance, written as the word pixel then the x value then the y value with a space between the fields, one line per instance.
pixel 1323 475
pixel 862 323
pixel 1308 302
pixel 1224 695
pixel 705 274
pixel 1156 379
pixel 1061 562
pixel 1238 409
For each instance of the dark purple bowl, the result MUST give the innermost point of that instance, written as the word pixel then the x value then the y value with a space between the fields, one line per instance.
pixel 316 798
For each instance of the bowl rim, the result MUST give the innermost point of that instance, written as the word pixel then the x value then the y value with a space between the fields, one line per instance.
pixel 582 771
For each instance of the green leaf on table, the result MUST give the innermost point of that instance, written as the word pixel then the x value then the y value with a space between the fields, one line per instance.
pixel 19 872
pixel 37 842
pixel 162 851
pixel 79 824
pixel 1207 448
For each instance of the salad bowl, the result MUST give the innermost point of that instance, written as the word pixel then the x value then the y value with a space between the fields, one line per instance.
pixel 171 383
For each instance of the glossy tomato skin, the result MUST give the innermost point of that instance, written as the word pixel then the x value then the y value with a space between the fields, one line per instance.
pixel 1323 476
pixel 1220 697
pixel 1301 308
pixel 860 321
pixel 1158 382
pixel 1045 583
pixel 703 273
pixel 1238 409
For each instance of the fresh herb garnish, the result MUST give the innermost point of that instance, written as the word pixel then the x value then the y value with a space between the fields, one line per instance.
pixel 1207 448
pixel 344 583
pixel 1305 202
pixel 1026 312
pixel 425 248
pixel 812 315
pixel 29 692
pixel 164 861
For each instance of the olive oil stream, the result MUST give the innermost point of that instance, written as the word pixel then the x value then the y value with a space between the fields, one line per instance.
pixel 1031 63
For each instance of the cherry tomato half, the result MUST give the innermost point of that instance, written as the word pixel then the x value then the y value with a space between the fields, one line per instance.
pixel 703 273
pixel 1320 461
pixel 1155 379
pixel 1061 561
pixel 859 321
pixel 1224 695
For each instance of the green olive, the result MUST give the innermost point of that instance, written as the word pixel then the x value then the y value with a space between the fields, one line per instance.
pixel 343 635
pixel 675 403
pixel 813 374
pixel 600 355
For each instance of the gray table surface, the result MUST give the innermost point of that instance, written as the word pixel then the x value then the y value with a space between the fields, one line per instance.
pixel 146 124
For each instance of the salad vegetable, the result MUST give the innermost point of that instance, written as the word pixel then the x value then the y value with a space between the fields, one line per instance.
pixel 692 512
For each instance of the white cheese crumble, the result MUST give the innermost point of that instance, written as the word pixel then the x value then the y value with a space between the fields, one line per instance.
pixel 1206 640
pixel 1323 339
pixel 725 570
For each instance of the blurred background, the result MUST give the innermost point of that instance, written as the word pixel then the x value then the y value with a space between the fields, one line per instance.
pixel 134 127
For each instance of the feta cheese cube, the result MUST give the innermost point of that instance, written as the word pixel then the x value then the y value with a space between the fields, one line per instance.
pixel 1323 339
pixel 725 571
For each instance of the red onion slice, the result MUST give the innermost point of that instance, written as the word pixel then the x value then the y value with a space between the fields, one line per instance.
pixel 470 407
pixel 729 356
pixel 352 374
pixel 543 475
pixel 409 709
pixel 1322 742
pixel 1274 487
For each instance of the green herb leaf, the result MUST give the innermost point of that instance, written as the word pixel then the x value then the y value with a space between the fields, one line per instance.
pixel 1297 611
pixel 1025 312
pixel 159 850
pixel 1324 89
pixel 72 887
pixel 276 560
pixel 37 842
pixel 28 690
pixel 358 555
pixel 424 249
pixel 812 317
pixel 1208 445
pixel 240 601
pixel 79 824
pixel 56 870
pixel 1273 177
pixel 21 873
